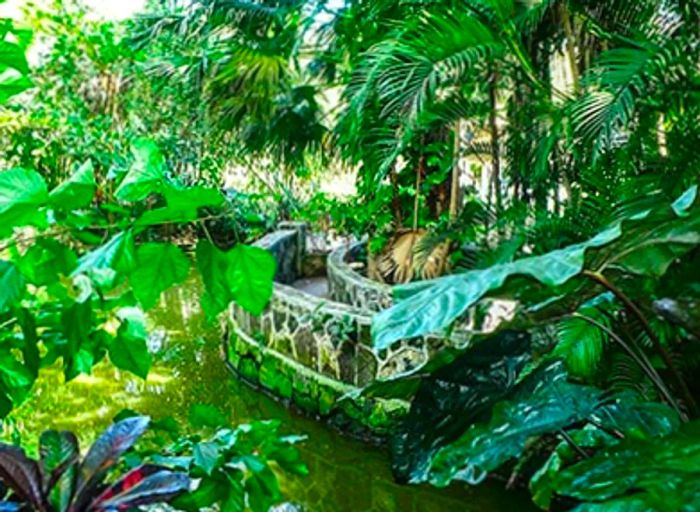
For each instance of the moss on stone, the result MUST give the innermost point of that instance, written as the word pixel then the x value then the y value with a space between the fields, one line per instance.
pixel 249 369
pixel 311 391
pixel 274 377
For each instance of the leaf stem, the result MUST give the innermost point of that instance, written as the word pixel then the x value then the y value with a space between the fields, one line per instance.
pixel 640 359
pixel 634 310
pixel 573 444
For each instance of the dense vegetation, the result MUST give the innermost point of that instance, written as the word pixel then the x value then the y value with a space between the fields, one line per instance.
pixel 539 152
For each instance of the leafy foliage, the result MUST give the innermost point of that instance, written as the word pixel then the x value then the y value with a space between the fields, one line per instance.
pixel 60 481
pixel 638 474
pixel 625 246
pixel 232 467
pixel 74 272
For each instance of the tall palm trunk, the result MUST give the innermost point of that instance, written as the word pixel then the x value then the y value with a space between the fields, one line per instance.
pixel 571 43
pixel 495 137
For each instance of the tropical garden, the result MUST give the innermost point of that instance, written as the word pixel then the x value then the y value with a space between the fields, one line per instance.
pixel 519 176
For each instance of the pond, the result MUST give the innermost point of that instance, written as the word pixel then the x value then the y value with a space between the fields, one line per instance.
pixel 345 474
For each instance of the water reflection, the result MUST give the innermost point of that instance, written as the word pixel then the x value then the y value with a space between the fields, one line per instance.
pixel 346 475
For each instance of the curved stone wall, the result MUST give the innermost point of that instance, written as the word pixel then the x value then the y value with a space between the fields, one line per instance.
pixel 313 351
pixel 350 287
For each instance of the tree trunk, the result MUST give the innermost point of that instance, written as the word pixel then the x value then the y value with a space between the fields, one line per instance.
pixel 571 44
pixel 495 138
pixel 454 185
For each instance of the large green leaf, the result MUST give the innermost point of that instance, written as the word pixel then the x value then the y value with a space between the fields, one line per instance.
pixel 159 267
pixel 129 350
pixel 77 191
pixel 636 474
pixel 250 274
pixel 206 456
pixel 12 285
pixel 644 244
pixel 146 175
pixel 77 325
pixel 13 83
pixel 119 253
pixel 14 68
pixel 16 378
pixel 544 403
pixel 22 192
pixel 213 265
pixel 451 399
pixel 244 274
pixel 627 415
pixel 182 205
pixel 46 260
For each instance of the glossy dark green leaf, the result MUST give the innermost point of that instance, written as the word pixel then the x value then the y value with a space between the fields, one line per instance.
pixel 544 403
pixel 146 175
pixel 263 490
pixel 636 418
pixel 452 398
pixel 235 498
pixel 16 378
pixel 663 474
pixel 30 348
pixel 289 459
pixel 59 461
pixel 208 492
pixel 12 285
pixel 77 191
pixel 77 325
pixel 159 267
pixel 56 449
pixel 22 192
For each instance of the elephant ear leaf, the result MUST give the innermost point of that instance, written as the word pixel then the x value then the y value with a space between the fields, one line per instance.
pixel 543 403
pixel 659 474
pixel 59 455
pixel 22 475
pixel 106 452
pixel 451 399
pixel 145 485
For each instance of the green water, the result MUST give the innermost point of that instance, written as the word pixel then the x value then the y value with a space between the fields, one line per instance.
pixel 345 474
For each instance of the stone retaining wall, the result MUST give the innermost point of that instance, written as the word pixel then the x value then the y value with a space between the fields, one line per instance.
pixel 349 286
pixel 312 350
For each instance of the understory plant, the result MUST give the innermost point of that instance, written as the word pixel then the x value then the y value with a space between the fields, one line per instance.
pixel 587 393
pixel 208 464
pixel 59 481
pixel 234 468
